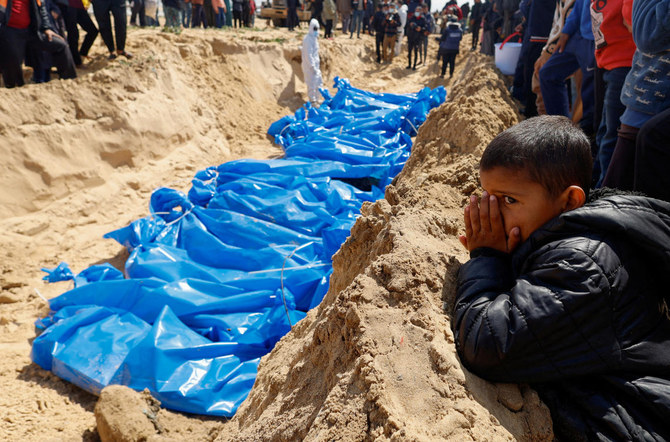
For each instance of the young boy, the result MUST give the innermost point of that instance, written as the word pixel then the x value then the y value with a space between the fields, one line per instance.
pixel 564 295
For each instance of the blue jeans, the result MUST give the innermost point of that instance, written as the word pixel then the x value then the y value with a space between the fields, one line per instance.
pixel 579 53
pixel 357 23
pixel 612 111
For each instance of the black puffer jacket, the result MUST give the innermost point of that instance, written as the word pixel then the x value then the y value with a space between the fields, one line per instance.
pixel 574 311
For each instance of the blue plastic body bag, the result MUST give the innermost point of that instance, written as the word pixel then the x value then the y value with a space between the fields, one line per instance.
pixel 216 277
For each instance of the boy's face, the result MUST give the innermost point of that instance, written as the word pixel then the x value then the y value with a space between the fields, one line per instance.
pixel 523 203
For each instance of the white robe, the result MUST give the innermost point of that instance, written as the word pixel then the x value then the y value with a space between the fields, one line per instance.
pixel 402 13
pixel 310 64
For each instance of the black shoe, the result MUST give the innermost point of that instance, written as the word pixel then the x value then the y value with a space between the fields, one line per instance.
pixel 112 56
pixel 414 68
pixel 408 67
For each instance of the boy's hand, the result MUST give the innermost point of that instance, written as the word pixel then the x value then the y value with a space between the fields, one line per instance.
pixel 484 226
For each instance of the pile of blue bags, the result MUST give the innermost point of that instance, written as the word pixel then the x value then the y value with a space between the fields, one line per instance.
pixel 216 277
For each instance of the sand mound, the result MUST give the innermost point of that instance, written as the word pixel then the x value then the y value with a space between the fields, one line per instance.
pixel 375 360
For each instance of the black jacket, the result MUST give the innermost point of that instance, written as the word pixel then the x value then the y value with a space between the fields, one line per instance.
pixel 39 16
pixel 574 311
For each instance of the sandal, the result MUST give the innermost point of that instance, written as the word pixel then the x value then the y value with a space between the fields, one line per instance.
pixel 128 55
pixel 112 56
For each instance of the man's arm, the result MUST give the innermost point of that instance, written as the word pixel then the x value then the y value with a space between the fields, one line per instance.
pixel 550 323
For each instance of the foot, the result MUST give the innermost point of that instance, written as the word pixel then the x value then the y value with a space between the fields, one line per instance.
pixel 414 68
pixel 408 67
pixel 128 55
pixel 111 56
pixel 441 75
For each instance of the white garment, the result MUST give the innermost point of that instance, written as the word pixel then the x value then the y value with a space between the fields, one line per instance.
pixel 402 13
pixel 310 62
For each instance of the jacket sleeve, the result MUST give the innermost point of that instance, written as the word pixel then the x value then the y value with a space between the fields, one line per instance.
pixel 550 323
pixel 572 22
pixel 651 25
pixel 44 19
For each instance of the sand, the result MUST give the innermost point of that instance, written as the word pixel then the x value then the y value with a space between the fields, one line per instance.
pixel 375 360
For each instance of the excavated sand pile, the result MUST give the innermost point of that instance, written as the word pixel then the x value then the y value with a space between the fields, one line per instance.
pixel 375 360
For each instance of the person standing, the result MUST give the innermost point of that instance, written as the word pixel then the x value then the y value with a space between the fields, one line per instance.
pixel 171 10
pixel 358 6
pixel 402 15
pixel 476 15
pixel 197 14
pixel 430 27
pixel 185 6
pixel 415 28
pixel 450 42
pixel 117 8
pixel 25 23
pixel 317 11
pixel 137 12
pixel 574 50
pixel 614 56
pixel 328 16
pixel 74 15
pixel 210 13
pixel 238 9
pixel 344 11
pixel 390 34
pixel 310 62
pixel 291 13
pixel 378 22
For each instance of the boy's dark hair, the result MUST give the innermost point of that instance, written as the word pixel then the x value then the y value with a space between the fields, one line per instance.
pixel 554 152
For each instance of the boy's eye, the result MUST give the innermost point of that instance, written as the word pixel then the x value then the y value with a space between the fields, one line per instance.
pixel 509 200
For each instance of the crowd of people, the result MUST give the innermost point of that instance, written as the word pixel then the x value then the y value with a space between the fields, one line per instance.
pixel 599 64
pixel 583 59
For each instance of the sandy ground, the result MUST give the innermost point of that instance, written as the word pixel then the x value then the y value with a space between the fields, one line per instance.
pixel 375 361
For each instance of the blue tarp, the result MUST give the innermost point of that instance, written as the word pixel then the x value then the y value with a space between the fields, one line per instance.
pixel 216 277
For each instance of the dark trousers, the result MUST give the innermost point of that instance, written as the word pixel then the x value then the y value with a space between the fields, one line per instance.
pixel 329 29
pixel 579 53
pixel 448 58
pixel 237 19
pixel 74 17
pixel 621 171
pixel 612 109
pixel 652 157
pixel 292 14
pixel 379 43
pixel 102 9
pixel 530 57
pixel 210 16
pixel 413 46
pixel 475 33
pixel 198 17
pixel 13 45
pixel 138 10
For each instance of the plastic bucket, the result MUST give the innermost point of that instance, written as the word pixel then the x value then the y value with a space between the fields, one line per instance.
pixel 507 55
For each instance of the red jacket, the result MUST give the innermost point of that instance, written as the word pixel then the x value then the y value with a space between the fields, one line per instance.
pixel 614 42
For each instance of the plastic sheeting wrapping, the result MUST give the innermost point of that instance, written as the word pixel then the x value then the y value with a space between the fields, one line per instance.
pixel 216 277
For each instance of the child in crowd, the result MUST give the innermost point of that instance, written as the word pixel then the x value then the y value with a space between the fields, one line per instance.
pixel 567 296
pixel 450 42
